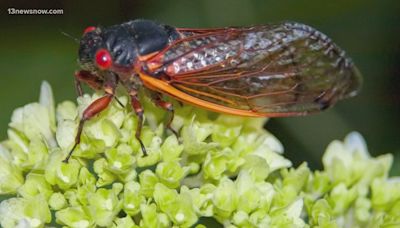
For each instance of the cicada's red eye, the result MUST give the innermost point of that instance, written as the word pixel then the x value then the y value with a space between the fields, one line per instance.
pixel 103 59
pixel 89 29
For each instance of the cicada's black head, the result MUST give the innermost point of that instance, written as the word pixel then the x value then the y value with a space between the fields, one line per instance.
pixel 116 48
pixel 107 49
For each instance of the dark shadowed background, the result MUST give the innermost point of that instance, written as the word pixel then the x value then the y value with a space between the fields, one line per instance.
pixel 33 49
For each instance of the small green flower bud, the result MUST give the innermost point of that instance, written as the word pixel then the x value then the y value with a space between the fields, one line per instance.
pixel 225 199
pixel 57 201
pixel 171 149
pixel 170 173
pixel 132 198
pixel 24 212
pixel 10 175
pixel 125 222
pixel 35 184
pixel 76 217
pixel 147 181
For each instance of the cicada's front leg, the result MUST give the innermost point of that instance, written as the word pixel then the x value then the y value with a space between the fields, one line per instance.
pixel 92 80
pixel 95 108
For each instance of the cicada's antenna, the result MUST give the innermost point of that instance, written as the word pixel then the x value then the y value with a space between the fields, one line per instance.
pixel 70 36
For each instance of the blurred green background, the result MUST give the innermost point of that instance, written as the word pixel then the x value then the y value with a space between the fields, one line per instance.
pixel 33 49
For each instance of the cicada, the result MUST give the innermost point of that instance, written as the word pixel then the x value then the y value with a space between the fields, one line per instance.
pixel 272 70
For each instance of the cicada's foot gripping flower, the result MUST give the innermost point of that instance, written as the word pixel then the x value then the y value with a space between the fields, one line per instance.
pixel 226 170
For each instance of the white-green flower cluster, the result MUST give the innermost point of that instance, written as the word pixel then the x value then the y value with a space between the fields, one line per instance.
pixel 225 169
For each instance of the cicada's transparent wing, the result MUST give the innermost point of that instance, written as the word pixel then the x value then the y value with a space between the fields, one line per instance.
pixel 287 69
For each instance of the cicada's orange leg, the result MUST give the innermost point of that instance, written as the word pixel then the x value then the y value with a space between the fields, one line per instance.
pixel 137 107
pixel 167 106
pixel 95 108
pixel 90 79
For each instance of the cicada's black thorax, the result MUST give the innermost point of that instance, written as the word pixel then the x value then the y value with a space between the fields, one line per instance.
pixel 125 42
